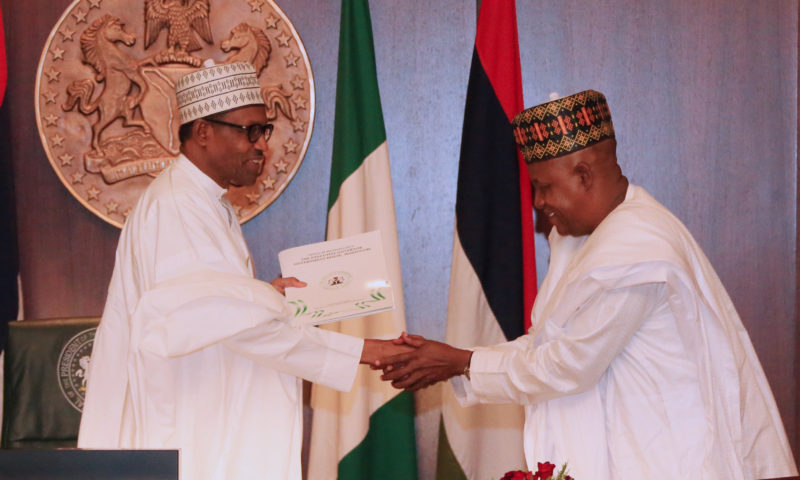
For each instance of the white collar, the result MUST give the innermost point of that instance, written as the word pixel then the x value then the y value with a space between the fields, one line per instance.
pixel 207 183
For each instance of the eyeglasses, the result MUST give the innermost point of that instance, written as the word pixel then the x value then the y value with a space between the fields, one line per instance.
pixel 254 131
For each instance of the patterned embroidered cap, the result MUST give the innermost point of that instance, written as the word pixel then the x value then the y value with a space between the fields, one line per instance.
pixel 563 126
pixel 216 89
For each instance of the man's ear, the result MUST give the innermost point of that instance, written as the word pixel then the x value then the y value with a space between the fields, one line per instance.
pixel 585 173
pixel 201 131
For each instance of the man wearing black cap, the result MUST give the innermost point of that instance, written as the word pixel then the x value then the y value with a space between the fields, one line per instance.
pixel 637 364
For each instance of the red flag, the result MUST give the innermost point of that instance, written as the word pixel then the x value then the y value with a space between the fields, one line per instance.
pixel 3 69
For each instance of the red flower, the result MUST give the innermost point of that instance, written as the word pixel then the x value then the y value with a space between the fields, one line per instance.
pixel 518 475
pixel 545 471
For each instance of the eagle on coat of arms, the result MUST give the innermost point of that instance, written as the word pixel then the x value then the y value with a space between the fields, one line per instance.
pixel 181 18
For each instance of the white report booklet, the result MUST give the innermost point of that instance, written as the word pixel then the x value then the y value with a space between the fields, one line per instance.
pixel 346 278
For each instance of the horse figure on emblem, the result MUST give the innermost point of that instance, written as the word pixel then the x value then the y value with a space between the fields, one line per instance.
pixel 116 70
pixel 126 89
pixel 249 44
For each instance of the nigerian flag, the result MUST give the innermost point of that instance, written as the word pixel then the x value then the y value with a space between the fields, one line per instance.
pixel 369 431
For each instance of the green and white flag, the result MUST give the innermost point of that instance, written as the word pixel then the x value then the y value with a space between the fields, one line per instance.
pixel 369 431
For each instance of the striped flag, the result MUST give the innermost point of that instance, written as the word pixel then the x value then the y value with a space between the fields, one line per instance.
pixel 368 432
pixel 493 271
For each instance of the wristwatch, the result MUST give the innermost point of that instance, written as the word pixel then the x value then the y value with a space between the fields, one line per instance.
pixel 466 367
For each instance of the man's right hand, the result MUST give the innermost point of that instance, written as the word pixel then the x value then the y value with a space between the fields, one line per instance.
pixel 430 362
pixel 375 351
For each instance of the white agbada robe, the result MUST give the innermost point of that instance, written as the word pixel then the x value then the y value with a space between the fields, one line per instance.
pixel 193 352
pixel 637 364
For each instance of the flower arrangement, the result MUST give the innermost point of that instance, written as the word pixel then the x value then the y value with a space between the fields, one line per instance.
pixel 545 471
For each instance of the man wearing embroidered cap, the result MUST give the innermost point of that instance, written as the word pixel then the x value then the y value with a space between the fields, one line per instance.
pixel 193 352
pixel 637 364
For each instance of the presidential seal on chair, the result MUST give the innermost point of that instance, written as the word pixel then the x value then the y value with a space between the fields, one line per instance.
pixel 105 102
pixel 73 367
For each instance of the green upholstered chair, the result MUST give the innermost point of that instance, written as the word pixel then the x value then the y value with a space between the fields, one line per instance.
pixel 44 381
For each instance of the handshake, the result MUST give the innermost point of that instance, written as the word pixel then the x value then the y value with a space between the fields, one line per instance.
pixel 412 362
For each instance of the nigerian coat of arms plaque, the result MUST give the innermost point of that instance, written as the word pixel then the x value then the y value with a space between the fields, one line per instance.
pixel 105 93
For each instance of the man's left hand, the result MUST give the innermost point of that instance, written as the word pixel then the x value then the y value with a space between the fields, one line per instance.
pixel 280 284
